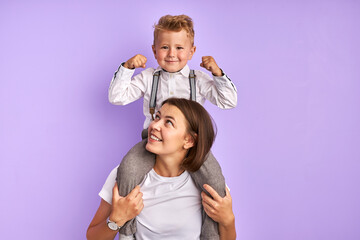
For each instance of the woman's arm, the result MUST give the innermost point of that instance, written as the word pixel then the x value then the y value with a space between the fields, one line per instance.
pixel 98 228
pixel 121 210
pixel 220 210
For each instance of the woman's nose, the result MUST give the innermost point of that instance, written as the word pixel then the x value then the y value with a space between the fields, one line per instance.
pixel 156 125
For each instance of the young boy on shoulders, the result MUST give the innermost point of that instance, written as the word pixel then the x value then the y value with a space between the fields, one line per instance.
pixel 173 47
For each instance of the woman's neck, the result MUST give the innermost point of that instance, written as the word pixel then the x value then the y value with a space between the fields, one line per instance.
pixel 167 167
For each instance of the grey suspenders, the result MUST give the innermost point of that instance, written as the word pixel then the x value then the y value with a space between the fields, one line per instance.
pixel 192 78
pixel 154 87
pixel 155 83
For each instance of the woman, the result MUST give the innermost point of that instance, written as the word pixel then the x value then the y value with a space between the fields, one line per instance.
pixel 181 134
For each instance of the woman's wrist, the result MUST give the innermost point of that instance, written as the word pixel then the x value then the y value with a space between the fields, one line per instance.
pixel 228 222
pixel 118 220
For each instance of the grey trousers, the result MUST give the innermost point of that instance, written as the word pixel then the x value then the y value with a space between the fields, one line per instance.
pixel 138 162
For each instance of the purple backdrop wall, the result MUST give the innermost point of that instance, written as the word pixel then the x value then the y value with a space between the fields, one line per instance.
pixel 289 151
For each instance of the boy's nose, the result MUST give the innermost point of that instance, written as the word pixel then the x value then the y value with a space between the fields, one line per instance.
pixel 171 53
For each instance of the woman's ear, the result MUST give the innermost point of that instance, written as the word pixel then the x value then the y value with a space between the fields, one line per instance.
pixel 189 141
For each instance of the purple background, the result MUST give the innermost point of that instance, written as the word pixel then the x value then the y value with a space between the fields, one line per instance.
pixel 289 151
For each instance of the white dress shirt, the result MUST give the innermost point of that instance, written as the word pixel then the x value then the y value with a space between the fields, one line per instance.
pixel 124 89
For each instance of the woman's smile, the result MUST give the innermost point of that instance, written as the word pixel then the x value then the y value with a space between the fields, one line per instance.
pixel 153 137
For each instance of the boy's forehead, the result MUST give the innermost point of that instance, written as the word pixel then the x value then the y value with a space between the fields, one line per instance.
pixel 170 35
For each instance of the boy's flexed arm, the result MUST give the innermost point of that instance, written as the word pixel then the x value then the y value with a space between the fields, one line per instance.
pixel 208 62
pixel 123 88
pixel 136 62
pixel 220 90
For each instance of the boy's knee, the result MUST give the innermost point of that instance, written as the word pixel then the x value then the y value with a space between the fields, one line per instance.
pixel 218 186
pixel 210 173
pixel 137 162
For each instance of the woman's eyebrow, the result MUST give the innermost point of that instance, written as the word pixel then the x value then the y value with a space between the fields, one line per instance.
pixel 171 117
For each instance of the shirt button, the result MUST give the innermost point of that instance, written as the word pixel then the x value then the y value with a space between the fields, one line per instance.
pixel 171 93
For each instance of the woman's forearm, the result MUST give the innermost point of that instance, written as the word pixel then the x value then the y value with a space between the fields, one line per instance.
pixel 220 210
pixel 227 232
pixel 100 232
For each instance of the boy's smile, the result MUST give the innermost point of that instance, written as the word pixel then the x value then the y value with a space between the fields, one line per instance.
pixel 172 50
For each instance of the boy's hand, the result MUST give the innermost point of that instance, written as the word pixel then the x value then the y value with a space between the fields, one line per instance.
pixel 136 62
pixel 208 62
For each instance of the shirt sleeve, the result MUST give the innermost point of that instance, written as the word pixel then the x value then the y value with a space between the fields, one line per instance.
pixel 124 89
pixel 106 191
pixel 220 91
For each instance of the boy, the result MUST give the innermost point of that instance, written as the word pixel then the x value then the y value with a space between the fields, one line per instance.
pixel 173 47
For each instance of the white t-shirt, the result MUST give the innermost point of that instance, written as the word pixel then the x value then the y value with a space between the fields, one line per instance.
pixel 172 206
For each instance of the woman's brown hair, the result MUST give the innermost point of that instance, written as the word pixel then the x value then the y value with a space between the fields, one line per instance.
pixel 201 128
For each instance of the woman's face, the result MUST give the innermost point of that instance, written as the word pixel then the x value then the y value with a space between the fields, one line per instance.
pixel 167 134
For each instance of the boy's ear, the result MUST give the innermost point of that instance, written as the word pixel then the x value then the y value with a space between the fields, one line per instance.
pixel 154 50
pixel 192 51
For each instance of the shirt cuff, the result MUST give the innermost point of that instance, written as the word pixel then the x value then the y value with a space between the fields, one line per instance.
pixel 123 72
pixel 224 81
pixel 126 70
pixel 222 73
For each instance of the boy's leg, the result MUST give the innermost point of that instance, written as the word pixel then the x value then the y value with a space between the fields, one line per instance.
pixel 144 133
pixel 131 171
pixel 210 173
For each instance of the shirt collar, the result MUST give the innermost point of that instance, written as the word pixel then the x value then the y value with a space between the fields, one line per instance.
pixel 185 71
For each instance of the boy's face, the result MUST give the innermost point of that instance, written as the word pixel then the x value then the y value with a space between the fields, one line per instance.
pixel 172 50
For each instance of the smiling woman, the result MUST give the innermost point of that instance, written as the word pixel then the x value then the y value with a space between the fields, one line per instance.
pixel 194 120
pixel 169 204
pixel 169 139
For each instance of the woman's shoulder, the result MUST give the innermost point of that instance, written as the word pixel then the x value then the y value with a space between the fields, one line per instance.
pixel 106 191
pixel 113 171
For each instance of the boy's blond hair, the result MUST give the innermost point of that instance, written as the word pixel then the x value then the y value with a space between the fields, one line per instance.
pixel 176 24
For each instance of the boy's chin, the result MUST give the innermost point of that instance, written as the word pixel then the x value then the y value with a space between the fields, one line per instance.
pixel 171 69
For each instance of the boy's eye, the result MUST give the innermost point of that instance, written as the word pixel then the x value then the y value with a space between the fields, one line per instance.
pixel 179 48
pixel 164 47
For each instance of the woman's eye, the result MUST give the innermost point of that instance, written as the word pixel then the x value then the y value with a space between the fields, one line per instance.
pixel 168 122
pixel 157 117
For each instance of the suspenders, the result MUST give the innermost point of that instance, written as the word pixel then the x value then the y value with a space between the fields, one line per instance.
pixel 156 76
pixel 192 78
pixel 152 102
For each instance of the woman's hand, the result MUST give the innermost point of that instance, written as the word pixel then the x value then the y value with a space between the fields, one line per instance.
pixel 122 210
pixel 125 208
pixel 218 208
